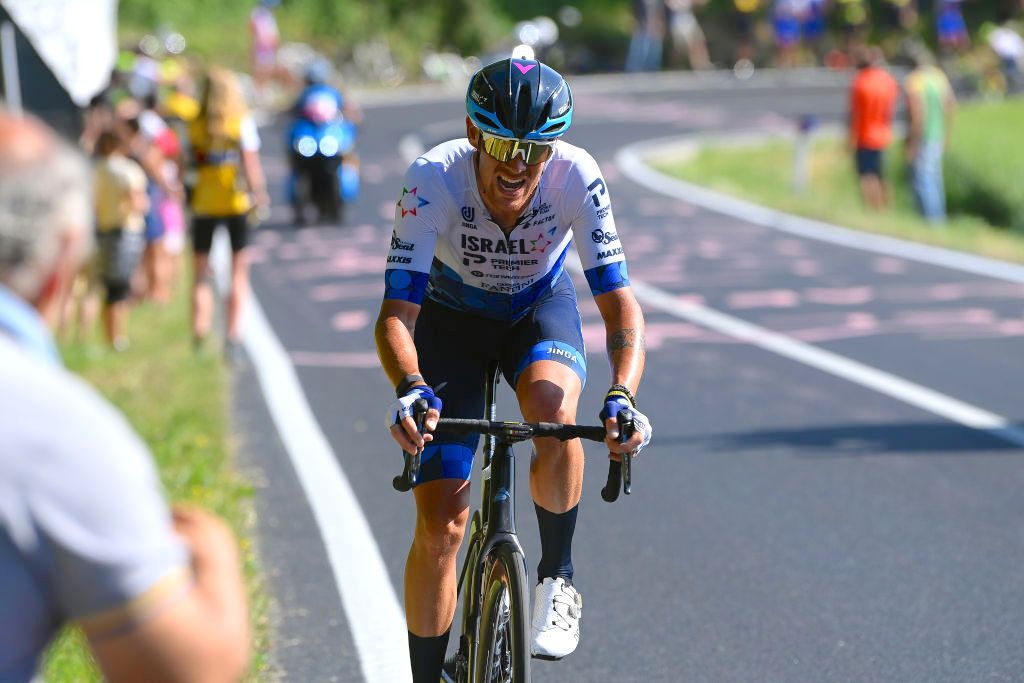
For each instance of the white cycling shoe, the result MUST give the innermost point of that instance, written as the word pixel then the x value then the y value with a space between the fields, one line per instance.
pixel 557 608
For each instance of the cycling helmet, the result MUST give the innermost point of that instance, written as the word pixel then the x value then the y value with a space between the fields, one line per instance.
pixel 520 98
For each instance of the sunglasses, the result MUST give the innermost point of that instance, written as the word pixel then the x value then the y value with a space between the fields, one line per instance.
pixel 506 149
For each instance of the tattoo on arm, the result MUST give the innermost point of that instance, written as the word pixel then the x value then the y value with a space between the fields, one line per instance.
pixel 624 339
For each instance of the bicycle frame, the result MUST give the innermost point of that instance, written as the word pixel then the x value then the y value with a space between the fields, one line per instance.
pixel 493 523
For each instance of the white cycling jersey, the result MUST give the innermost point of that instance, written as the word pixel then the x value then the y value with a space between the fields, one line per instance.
pixel 445 246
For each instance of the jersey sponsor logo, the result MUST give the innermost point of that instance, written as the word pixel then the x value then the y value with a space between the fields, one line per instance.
pixel 468 213
pixel 483 245
pixel 475 258
pixel 604 236
pixel 608 254
pixel 597 190
pixel 539 244
pixel 396 243
pixel 411 201
pixel 568 355
pixel 542 221
pixel 399 259
pixel 476 273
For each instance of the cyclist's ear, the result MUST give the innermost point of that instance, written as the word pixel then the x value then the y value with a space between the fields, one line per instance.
pixel 472 132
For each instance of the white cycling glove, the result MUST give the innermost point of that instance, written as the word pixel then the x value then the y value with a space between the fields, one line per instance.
pixel 402 407
pixel 617 398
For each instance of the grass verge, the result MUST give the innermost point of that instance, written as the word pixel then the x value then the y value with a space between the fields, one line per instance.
pixel 178 403
pixel 763 173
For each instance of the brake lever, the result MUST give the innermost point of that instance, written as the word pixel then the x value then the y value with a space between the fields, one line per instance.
pixel 620 471
pixel 411 471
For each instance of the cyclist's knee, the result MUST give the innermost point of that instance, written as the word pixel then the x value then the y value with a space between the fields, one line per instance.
pixel 442 508
pixel 440 532
pixel 546 401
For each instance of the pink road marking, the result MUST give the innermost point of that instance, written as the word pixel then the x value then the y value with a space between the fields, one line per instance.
pixel 888 265
pixel 806 268
pixel 951 292
pixel 838 296
pixel 386 210
pixel 348 291
pixel 524 68
pixel 372 173
pixel 266 238
pixel 319 359
pixel 770 298
pixel 955 317
pixel 350 321
pixel 792 248
pixel 710 249
pixel 862 322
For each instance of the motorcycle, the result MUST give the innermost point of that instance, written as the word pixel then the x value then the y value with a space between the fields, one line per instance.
pixel 325 170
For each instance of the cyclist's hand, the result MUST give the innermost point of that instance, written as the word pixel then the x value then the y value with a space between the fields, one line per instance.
pixel 641 428
pixel 399 418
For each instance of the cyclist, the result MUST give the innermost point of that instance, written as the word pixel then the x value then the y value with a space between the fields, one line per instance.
pixel 476 271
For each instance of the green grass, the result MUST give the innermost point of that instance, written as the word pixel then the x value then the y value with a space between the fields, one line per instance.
pixel 986 147
pixel 178 403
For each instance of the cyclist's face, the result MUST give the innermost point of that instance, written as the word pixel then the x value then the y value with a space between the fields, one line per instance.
pixel 506 187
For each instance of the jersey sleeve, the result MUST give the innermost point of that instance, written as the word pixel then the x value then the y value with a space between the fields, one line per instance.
pixel 420 216
pixel 597 240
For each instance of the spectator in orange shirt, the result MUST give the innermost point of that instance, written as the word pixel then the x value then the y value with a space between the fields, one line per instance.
pixel 873 96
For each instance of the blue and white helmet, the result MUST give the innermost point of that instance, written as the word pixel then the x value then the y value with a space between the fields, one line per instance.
pixel 520 98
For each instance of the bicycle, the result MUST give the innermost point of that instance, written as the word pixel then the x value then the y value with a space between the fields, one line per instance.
pixel 493 643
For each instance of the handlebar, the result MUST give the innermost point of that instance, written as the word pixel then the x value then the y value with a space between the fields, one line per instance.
pixel 619 472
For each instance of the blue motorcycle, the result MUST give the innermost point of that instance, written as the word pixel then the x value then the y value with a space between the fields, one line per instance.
pixel 324 167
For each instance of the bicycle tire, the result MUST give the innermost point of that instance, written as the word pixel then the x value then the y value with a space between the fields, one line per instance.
pixel 503 653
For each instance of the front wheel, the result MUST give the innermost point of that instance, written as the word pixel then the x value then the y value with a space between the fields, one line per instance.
pixel 503 654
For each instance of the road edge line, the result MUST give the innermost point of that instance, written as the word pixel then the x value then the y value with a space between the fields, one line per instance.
pixel 368 599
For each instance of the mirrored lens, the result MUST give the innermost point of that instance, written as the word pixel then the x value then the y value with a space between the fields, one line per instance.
pixel 505 150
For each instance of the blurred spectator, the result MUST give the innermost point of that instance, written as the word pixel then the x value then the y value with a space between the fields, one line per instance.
pixel 873 95
pixel 148 154
pixel 787 19
pixel 814 27
pixel 950 27
pixel 85 534
pixel 168 209
pixel 646 45
pixel 121 205
pixel 684 31
pixel 743 21
pixel 265 38
pixel 1009 48
pixel 225 146
pixel 930 107
pixel 853 22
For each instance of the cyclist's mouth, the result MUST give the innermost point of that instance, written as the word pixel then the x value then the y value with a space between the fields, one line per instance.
pixel 510 187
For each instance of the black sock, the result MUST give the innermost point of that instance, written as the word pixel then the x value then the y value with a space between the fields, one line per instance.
pixel 427 656
pixel 556 530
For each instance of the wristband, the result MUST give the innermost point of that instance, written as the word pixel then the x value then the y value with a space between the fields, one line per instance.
pixel 406 384
pixel 621 390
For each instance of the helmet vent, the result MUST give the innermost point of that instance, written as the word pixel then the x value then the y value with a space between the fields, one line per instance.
pixel 487 121
pixel 524 102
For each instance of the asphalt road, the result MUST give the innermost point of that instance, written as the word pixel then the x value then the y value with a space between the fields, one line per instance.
pixel 786 524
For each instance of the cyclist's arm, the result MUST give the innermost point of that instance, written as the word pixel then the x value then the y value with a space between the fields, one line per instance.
pixel 177 632
pixel 394 334
pixel 624 335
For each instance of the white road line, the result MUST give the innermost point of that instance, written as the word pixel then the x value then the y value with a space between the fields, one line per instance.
pixel 834 364
pixel 374 615
pixel 630 162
